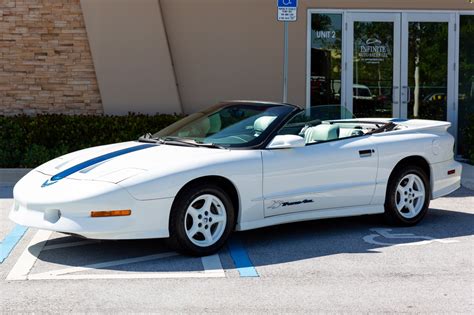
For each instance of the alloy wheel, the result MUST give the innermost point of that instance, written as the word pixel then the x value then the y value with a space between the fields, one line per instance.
pixel 410 196
pixel 205 220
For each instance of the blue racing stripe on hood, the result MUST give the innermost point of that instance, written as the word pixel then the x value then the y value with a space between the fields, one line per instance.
pixel 88 163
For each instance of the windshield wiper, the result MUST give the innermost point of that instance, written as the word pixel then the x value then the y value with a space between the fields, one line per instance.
pixel 188 142
pixel 210 145
pixel 179 141
pixel 148 138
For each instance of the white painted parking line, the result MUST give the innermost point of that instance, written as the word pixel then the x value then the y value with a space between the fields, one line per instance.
pixel 212 265
pixel 102 265
pixel 21 271
pixel 212 269
pixel 133 275
pixel 28 257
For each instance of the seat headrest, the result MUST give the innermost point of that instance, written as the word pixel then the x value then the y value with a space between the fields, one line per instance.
pixel 262 123
pixel 215 124
pixel 323 132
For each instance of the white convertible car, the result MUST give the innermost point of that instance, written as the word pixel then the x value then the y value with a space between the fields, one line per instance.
pixel 239 166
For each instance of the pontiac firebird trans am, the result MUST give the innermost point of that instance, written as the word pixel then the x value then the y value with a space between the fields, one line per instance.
pixel 238 166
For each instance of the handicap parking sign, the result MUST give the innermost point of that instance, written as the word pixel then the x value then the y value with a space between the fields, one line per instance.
pixel 287 3
pixel 287 10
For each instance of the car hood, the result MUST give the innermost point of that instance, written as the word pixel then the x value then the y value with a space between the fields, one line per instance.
pixel 117 162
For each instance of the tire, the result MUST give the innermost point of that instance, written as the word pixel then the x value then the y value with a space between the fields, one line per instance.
pixel 408 196
pixel 202 218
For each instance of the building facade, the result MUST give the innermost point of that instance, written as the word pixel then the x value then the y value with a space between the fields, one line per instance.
pixel 385 58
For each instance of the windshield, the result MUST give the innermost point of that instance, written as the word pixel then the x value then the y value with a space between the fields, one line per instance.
pixel 234 125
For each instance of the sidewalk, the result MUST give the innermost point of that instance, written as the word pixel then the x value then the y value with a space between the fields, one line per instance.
pixel 467 176
pixel 9 176
pixel 8 179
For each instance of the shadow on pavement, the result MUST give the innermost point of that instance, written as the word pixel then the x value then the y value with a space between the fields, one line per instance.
pixel 272 245
pixel 293 242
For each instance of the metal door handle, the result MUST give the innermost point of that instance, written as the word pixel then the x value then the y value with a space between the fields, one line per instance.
pixel 366 153
pixel 406 95
pixel 395 95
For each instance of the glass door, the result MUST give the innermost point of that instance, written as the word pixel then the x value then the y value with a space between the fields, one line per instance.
pixel 325 79
pixel 373 54
pixel 428 66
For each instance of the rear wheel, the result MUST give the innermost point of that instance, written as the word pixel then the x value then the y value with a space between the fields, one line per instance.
pixel 201 220
pixel 408 196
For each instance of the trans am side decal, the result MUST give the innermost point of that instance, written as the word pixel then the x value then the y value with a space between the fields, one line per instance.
pixel 96 160
pixel 279 203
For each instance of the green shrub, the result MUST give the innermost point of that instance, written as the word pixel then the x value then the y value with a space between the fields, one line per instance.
pixel 28 141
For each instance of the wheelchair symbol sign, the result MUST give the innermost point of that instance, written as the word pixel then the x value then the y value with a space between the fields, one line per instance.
pixel 383 236
pixel 287 3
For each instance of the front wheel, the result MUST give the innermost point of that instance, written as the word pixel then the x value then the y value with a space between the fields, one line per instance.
pixel 201 220
pixel 408 196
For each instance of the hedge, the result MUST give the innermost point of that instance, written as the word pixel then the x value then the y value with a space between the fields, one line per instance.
pixel 28 141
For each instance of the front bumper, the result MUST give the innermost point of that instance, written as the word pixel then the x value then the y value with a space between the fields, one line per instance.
pixel 66 206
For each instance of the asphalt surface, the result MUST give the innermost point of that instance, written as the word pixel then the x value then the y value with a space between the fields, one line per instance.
pixel 349 265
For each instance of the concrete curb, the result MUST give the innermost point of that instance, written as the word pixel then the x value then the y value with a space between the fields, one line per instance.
pixel 9 176
pixel 467 179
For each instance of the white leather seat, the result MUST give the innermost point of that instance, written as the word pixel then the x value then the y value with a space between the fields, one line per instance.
pixel 323 132
pixel 262 123
pixel 349 132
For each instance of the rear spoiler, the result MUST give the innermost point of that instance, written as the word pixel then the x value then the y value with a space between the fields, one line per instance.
pixel 421 125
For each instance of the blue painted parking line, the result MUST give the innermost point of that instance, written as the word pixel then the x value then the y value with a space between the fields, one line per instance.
pixel 10 241
pixel 241 258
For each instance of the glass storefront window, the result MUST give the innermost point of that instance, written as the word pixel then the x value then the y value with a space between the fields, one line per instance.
pixel 326 53
pixel 373 69
pixel 466 82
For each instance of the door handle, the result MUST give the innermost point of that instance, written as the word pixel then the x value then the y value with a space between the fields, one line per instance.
pixel 366 153
pixel 395 95
pixel 406 95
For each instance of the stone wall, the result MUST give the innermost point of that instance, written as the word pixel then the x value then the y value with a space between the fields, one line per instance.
pixel 45 61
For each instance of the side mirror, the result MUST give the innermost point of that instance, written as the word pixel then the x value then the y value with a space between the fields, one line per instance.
pixel 286 142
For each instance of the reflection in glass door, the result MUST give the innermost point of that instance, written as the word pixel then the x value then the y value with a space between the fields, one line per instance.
pixel 466 84
pixel 428 66
pixel 326 57
pixel 427 70
pixel 374 70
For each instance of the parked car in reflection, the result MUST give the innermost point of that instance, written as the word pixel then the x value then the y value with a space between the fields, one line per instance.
pixel 362 92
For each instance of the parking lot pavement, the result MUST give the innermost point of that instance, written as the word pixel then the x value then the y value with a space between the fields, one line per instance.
pixel 338 265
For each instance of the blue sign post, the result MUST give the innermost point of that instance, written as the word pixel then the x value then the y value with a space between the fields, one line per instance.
pixel 287 12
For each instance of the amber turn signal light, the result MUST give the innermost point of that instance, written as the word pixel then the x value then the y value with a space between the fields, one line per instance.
pixel 112 213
